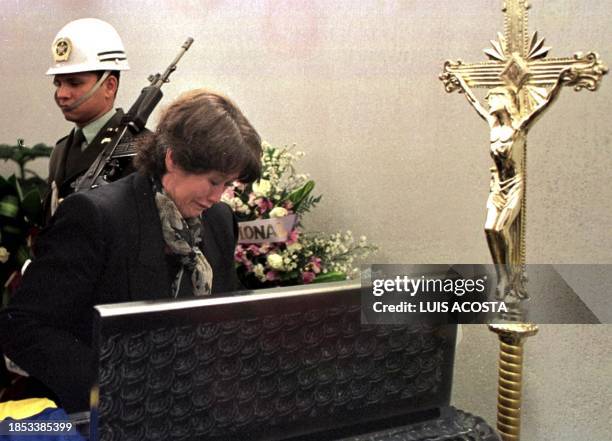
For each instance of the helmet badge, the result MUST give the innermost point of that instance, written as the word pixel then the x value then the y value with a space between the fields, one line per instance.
pixel 61 49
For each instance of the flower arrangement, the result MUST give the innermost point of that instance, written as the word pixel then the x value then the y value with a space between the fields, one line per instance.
pixel 273 249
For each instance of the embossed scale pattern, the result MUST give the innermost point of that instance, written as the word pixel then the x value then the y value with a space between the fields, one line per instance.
pixel 219 379
pixel 458 426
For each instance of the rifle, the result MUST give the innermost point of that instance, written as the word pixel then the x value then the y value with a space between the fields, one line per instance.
pixel 134 121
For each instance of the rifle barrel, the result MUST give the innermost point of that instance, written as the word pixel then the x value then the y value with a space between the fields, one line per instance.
pixel 164 78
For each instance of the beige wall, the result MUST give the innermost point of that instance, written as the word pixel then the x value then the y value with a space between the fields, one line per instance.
pixel 356 88
pixel 354 84
pixel 564 381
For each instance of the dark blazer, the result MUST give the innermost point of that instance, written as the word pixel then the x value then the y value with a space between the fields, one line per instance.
pixel 57 162
pixel 102 246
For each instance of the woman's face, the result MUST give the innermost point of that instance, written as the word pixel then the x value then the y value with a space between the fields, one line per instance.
pixel 193 193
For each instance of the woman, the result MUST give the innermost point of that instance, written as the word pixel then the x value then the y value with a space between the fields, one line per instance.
pixel 158 233
pixel 508 138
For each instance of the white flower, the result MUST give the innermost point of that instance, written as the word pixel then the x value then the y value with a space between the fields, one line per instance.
pixel 4 255
pixel 261 187
pixel 234 203
pixel 275 261
pixel 295 246
pixel 259 272
pixel 243 209
pixel 237 205
pixel 278 212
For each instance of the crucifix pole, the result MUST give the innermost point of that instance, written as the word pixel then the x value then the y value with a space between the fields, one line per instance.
pixel 521 85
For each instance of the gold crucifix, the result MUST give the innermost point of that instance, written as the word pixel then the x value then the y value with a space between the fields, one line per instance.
pixel 517 77
pixel 522 84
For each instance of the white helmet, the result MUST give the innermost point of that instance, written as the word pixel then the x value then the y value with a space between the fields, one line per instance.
pixel 85 45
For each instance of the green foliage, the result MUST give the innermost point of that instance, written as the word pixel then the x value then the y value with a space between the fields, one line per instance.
pixel 335 276
pixel 21 211
pixel 22 154
pixel 298 196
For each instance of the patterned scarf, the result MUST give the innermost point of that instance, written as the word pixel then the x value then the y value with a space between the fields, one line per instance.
pixel 183 237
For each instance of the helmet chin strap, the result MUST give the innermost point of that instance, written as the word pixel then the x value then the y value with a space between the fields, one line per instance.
pixel 91 91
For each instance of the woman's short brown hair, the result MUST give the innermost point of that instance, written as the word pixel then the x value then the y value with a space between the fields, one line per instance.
pixel 205 132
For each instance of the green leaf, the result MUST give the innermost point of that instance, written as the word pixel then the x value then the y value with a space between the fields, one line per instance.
pixel 41 151
pixel 335 276
pixel 297 196
pixel 33 182
pixel 23 254
pixel 6 152
pixel 32 206
pixel 289 275
pixel 6 187
pixel 11 229
pixel 9 206
pixel 18 188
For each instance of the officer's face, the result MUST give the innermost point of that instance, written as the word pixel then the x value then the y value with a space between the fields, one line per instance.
pixel 70 87
pixel 193 193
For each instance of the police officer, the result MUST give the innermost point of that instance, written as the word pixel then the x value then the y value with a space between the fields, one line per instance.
pixel 88 55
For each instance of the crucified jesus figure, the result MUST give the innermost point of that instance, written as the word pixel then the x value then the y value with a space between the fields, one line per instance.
pixel 509 127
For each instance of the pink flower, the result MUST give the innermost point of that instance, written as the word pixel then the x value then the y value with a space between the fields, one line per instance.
pixel 272 275
pixel 263 205
pixel 314 265
pixel 293 236
pixel 229 192
pixel 254 249
pixel 308 276
pixel 239 254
